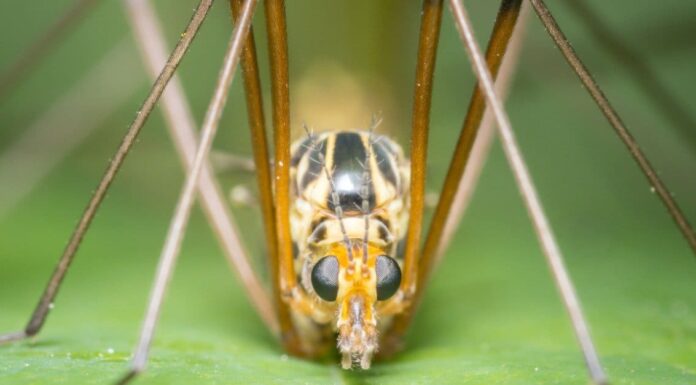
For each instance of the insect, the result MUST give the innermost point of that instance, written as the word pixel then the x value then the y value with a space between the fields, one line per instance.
pixel 352 356
pixel 348 218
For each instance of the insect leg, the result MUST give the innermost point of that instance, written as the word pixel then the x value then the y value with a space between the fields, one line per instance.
pixel 40 313
pixel 502 33
pixel 179 119
pixel 530 197
pixel 612 116
pixel 278 55
pixel 31 56
pixel 498 44
pixel 257 125
pixel 182 212
pixel 427 48
pixel 484 138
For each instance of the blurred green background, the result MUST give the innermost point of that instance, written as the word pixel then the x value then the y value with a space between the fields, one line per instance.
pixel 491 316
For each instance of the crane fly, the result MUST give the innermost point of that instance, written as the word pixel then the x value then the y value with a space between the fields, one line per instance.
pixel 350 242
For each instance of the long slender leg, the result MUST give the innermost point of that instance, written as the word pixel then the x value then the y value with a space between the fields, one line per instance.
pixel 431 20
pixel 37 50
pixel 182 212
pixel 179 119
pixel 613 117
pixel 530 197
pixel 65 124
pixel 484 139
pixel 257 125
pixel 643 75
pixel 40 313
pixel 502 32
pixel 278 53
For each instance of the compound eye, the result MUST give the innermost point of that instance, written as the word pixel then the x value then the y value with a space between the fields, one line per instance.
pixel 325 278
pixel 388 277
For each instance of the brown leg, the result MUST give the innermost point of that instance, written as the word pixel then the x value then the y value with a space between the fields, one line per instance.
pixel 431 19
pixel 278 53
pixel 45 302
pixel 257 125
pixel 177 226
pixel 502 32
pixel 524 182
pixel 427 49
pixel 182 128
pixel 484 139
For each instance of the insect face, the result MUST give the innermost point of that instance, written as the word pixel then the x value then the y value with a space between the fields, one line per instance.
pixel 352 287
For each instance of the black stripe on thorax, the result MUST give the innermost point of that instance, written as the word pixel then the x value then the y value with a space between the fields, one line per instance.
pixel 314 167
pixel 348 157
pixel 385 163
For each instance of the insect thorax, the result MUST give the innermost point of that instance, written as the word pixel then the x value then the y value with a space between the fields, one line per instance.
pixel 345 157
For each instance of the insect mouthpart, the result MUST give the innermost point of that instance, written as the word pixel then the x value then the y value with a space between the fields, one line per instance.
pixel 357 332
